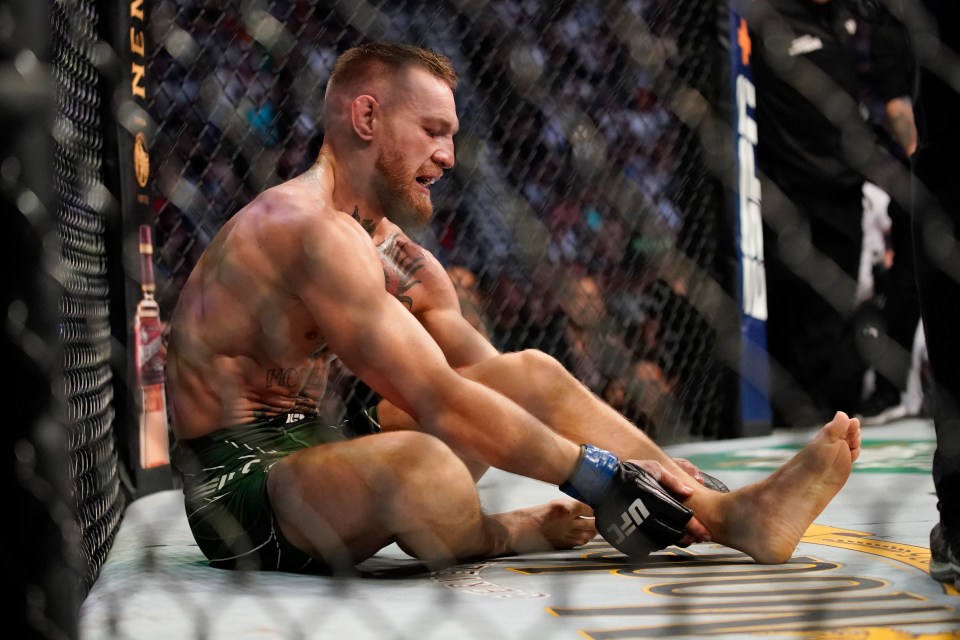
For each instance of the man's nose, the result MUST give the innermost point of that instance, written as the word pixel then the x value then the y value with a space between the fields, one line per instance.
pixel 444 156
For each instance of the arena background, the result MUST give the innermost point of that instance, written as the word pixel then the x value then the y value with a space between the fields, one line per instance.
pixel 596 212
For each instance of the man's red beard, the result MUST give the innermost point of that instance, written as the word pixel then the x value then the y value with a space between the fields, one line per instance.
pixel 397 191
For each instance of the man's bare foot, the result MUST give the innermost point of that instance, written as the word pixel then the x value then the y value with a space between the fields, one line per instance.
pixel 558 524
pixel 766 520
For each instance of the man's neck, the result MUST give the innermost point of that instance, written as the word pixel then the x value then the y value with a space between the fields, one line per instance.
pixel 339 180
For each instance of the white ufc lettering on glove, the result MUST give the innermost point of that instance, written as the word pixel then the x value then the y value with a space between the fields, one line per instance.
pixel 633 517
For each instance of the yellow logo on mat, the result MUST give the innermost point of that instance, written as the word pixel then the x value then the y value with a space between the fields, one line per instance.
pixel 918 557
pixel 880 633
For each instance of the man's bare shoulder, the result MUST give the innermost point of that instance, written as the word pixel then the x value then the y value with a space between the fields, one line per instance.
pixel 291 202
pixel 293 211
pixel 283 237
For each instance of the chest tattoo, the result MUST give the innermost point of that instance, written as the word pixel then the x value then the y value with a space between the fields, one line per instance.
pixel 401 260
pixel 366 223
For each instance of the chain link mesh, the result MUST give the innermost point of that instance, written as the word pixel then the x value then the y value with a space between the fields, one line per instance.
pixel 84 319
pixel 584 216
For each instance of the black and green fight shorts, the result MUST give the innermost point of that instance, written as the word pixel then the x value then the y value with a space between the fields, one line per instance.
pixel 225 489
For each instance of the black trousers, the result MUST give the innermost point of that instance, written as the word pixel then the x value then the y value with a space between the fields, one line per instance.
pixel 894 311
pixel 812 248
pixel 936 218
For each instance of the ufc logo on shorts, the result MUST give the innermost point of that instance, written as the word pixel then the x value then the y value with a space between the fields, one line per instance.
pixel 632 517
pixel 247 467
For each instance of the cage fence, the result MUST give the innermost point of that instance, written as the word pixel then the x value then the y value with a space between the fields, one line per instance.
pixel 588 214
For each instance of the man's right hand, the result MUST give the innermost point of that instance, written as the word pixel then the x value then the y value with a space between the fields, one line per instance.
pixel 634 508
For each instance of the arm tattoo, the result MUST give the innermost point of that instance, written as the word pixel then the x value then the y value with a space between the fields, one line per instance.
pixel 366 223
pixel 401 260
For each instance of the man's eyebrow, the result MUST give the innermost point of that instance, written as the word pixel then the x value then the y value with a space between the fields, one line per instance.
pixel 442 124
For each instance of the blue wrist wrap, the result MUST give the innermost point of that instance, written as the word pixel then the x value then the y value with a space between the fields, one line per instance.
pixel 592 475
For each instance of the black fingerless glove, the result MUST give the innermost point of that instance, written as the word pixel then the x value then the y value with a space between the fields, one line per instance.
pixel 633 512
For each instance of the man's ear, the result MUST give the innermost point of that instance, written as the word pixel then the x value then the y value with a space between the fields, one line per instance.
pixel 363 110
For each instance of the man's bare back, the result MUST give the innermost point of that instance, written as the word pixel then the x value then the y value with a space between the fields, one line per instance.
pixel 243 344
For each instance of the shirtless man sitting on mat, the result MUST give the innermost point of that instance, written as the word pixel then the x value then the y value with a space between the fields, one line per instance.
pixel 296 279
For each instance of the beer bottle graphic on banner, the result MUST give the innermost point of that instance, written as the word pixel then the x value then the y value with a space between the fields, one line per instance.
pixel 154 439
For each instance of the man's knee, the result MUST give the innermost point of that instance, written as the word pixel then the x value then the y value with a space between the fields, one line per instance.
pixel 535 361
pixel 543 371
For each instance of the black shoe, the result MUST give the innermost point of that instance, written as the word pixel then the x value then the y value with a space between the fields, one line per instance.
pixel 880 409
pixel 944 558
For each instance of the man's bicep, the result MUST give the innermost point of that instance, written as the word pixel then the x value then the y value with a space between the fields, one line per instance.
pixel 371 331
pixel 390 351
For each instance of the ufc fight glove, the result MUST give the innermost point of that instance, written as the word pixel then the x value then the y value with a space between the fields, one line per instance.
pixel 633 512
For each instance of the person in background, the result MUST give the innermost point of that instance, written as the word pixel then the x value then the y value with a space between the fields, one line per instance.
pixel 887 338
pixel 936 222
pixel 803 57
